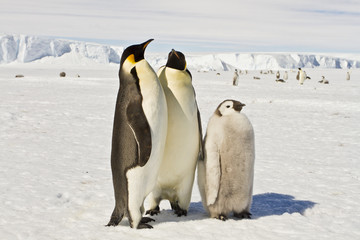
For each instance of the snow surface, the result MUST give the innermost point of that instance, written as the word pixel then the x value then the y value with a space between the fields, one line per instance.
pixel 55 142
pixel 24 49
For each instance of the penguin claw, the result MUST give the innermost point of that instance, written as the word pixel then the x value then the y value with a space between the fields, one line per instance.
pixel 243 215
pixel 153 212
pixel 144 226
pixel 146 220
pixel 180 212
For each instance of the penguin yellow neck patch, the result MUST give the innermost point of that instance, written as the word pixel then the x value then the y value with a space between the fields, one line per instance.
pixel 131 59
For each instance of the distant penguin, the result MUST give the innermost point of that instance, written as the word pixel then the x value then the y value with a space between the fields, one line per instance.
pixel 285 75
pixel 302 76
pixel 183 141
pixel 298 75
pixel 236 78
pixel 347 75
pixel 139 135
pixel 323 80
pixel 277 75
pixel 225 176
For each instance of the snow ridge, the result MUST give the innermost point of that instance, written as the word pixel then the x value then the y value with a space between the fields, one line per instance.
pixel 24 49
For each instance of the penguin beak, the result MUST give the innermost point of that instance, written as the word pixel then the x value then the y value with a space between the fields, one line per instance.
pixel 174 52
pixel 238 106
pixel 145 44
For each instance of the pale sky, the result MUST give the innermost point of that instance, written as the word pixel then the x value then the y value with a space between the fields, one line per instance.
pixel 193 26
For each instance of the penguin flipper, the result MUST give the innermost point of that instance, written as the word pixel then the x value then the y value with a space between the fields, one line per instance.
pixel 139 125
pixel 201 150
pixel 213 175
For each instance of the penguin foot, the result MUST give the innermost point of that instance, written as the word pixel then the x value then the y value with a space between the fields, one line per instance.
pixel 146 220
pixel 174 205
pixel 243 215
pixel 154 211
pixel 222 217
pixel 144 226
pixel 180 212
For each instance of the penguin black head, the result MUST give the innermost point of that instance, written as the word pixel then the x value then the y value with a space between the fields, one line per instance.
pixel 299 69
pixel 134 53
pixel 176 60
pixel 228 107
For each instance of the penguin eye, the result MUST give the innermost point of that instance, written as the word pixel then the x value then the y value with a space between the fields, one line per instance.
pixel 227 106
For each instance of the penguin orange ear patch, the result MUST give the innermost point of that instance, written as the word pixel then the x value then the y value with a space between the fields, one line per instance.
pixel 131 59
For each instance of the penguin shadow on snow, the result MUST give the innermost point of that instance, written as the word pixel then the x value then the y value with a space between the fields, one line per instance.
pixel 263 205
pixel 268 204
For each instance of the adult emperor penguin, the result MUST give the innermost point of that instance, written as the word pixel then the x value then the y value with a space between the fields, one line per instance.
pixel 236 78
pixel 225 176
pixel 184 138
pixel 302 76
pixel 285 75
pixel 347 75
pixel 139 135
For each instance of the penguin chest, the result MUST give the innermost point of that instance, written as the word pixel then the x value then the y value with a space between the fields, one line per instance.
pixel 155 110
pixel 154 102
pixel 182 141
pixel 237 156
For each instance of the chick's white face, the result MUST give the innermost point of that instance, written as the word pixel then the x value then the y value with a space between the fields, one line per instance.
pixel 227 108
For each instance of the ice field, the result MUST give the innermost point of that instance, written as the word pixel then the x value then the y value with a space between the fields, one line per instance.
pixel 55 142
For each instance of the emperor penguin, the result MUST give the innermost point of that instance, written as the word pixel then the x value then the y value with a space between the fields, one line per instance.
pixel 348 75
pixel 184 138
pixel 324 80
pixel 285 75
pixel 139 135
pixel 302 76
pixel 236 78
pixel 226 174
pixel 277 75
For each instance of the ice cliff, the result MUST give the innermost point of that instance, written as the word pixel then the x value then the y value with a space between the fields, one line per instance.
pixel 24 49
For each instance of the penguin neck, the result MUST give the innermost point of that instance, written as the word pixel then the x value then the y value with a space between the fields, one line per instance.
pixel 177 77
pixel 128 65
pixel 147 77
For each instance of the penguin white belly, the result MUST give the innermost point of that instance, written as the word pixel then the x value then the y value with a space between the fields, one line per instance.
pixel 302 77
pixel 182 142
pixel 155 109
pixel 182 147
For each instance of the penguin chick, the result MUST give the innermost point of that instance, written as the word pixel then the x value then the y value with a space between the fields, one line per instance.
pixel 225 176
